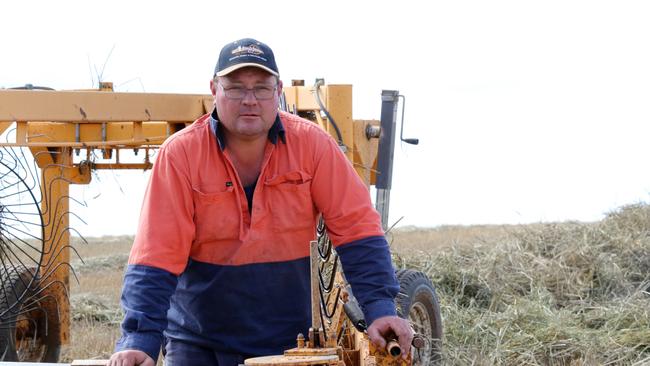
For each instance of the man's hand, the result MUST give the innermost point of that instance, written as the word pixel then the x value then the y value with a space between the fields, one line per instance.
pixel 130 357
pixel 389 327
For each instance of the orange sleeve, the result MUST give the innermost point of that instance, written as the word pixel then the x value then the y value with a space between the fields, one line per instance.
pixel 341 196
pixel 166 227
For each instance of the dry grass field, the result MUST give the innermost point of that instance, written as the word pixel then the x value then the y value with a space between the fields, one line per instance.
pixel 543 294
pixel 95 298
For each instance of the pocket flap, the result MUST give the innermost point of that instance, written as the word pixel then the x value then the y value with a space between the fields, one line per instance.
pixel 213 197
pixel 295 177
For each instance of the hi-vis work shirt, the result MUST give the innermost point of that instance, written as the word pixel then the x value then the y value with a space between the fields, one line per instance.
pixel 208 270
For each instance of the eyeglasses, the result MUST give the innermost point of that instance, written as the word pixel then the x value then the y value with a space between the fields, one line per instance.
pixel 260 92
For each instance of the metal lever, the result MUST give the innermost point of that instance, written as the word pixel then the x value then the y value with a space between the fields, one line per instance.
pixel 394 349
pixel 412 141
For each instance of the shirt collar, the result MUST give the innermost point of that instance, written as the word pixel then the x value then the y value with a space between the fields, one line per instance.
pixel 276 131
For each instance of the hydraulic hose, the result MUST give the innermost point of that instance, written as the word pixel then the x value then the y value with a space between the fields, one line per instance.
pixel 317 85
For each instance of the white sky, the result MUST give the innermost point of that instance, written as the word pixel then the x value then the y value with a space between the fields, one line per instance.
pixel 526 110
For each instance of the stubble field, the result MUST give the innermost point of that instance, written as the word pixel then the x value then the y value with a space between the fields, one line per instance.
pixel 542 294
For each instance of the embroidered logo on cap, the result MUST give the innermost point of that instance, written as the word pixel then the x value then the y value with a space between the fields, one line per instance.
pixel 250 49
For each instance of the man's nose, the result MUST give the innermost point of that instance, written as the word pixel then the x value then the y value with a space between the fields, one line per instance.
pixel 249 97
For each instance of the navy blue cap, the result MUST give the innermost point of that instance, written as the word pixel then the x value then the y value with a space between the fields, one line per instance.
pixel 243 53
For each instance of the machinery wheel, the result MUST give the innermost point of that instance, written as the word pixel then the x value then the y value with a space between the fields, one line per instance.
pixel 417 302
pixel 24 333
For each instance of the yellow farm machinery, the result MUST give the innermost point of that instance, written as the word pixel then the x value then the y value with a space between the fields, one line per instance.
pixel 52 139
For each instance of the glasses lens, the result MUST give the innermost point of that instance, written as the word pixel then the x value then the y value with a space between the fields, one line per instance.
pixel 260 92
pixel 264 92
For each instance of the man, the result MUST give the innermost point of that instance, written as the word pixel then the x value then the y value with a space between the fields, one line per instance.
pixel 220 261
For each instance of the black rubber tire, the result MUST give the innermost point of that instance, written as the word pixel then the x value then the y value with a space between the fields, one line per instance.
pixel 21 326
pixel 417 301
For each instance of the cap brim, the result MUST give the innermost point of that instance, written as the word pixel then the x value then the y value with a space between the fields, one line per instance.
pixel 232 68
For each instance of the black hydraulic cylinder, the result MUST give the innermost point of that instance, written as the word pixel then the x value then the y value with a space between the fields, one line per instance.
pixel 387 139
pixel 383 183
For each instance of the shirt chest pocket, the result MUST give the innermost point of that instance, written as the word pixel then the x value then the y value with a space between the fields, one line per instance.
pixel 216 215
pixel 289 201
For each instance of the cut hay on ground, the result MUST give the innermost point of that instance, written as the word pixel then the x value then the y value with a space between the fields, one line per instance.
pixel 547 294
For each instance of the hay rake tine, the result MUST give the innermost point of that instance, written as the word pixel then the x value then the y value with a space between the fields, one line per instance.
pixel 19 261
pixel 55 247
pixel 54 269
pixel 4 231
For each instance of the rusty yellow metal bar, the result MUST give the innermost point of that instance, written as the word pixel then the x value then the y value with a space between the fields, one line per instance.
pixel 313 273
pixel 98 106
pixel 56 237
pixel 42 156
pixel 58 134
pixel 21 132
pixel 138 133
pixel 364 156
pixel 300 97
pixel 106 166
pixel 108 144
pixel 338 102
pixel 4 126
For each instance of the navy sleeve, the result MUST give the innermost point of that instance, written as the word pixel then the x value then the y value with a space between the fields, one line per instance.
pixel 145 300
pixel 369 270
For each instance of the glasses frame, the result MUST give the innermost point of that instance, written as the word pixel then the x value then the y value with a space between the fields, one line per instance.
pixel 248 90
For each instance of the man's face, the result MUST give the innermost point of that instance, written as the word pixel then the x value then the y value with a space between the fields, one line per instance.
pixel 243 114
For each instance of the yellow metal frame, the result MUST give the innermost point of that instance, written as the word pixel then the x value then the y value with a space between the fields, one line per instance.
pixel 337 99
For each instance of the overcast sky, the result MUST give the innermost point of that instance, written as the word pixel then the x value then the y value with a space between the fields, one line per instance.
pixel 526 111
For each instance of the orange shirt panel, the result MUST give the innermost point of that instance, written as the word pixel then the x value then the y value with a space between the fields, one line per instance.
pixel 195 206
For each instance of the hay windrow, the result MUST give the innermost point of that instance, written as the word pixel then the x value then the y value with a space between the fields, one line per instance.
pixel 95 309
pixel 547 294
pixel 111 262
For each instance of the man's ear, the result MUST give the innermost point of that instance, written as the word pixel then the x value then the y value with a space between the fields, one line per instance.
pixel 279 87
pixel 213 87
